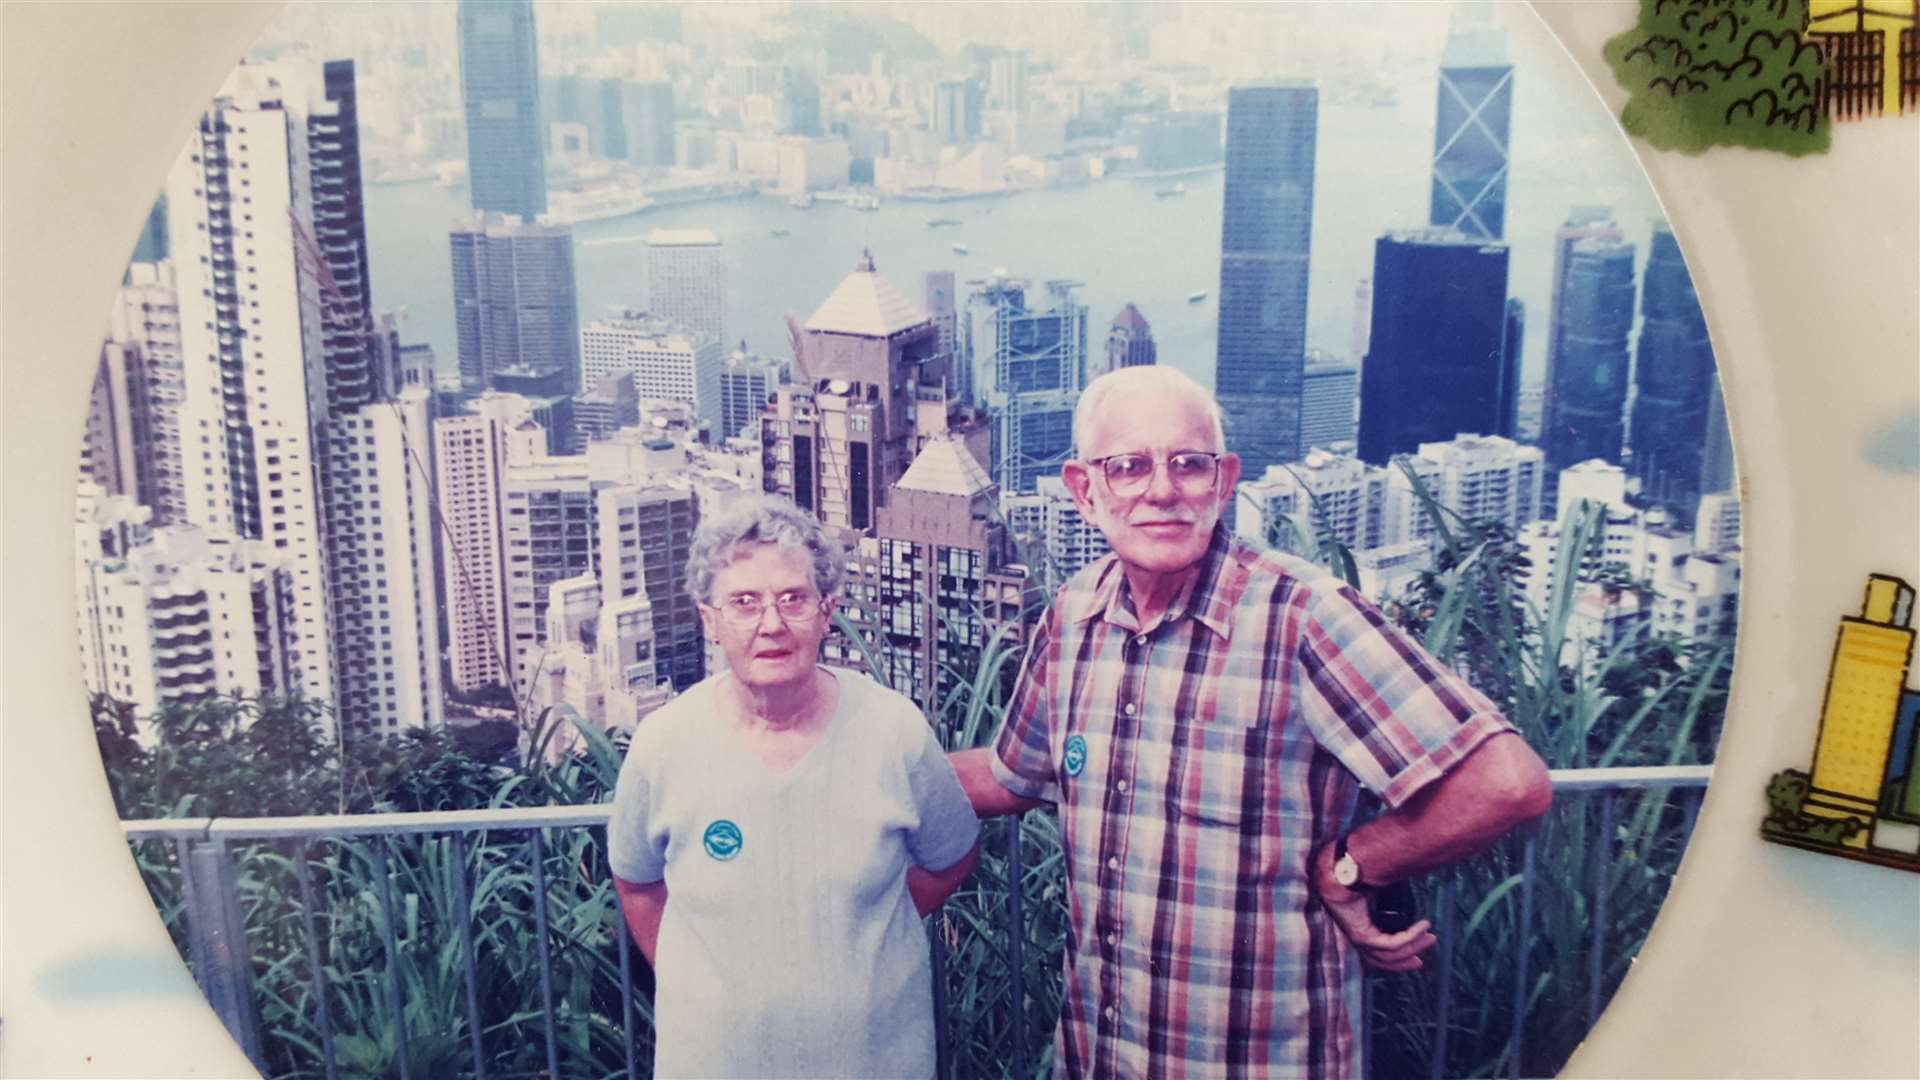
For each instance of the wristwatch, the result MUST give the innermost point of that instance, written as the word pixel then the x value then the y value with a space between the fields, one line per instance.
pixel 1346 871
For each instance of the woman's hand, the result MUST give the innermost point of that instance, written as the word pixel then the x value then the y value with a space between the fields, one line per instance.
pixel 930 888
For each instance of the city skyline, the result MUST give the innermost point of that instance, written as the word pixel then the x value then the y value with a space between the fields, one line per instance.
pixel 567 407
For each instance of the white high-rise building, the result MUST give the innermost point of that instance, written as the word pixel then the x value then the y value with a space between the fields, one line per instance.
pixel 1594 481
pixel 176 615
pixel 1047 517
pixel 1716 525
pixel 132 444
pixel 1329 397
pixel 471 456
pixel 1336 493
pixel 388 597
pixel 667 359
pixel 1485 477
pixel 260 365
pixel 687 279
pixel 594 515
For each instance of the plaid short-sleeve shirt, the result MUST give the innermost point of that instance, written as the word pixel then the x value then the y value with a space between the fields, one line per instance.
pixel 1197 763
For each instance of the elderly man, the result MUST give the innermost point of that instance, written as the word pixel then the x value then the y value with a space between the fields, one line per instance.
pixel 1204 715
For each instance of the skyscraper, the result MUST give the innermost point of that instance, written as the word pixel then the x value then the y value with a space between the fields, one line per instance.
pixel 471 455
pixel 179 614
pixel 1265 239
pixel 1129 340
pixel 869 382
pixel 1587 362
pixel 946 575
pixel 1471 121
pixel 646 115
pixel 747 383
pixel 1027 366
pixel 255 391
pixel 956 110
pixel 514 302
pixel 687 279
pixel 133 445
pixel 1439 363
pixel 1329 396
pixel 667 360
pixel 285 436
pixel 940 301
pixel 1673 379
pixel 645 531
pixel 500 86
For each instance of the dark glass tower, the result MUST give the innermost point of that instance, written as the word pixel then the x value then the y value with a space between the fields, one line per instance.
pixel 1585 412
pixel 500 85
pixel 1471 122
pixel 340 231
pixel 1265 238
pixel 515 306
pixel 1438 364
pixel 1672 381
pixel 646 113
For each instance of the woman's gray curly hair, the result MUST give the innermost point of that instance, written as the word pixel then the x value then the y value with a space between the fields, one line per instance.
pixel 761 519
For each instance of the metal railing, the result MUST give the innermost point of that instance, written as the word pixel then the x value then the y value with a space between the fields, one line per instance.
pixel 218 952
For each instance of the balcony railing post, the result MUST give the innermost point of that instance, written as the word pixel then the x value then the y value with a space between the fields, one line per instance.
pixel 1016 941
pixel 218 937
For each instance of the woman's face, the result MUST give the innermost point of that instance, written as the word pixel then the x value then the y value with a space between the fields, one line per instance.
pixel 767 616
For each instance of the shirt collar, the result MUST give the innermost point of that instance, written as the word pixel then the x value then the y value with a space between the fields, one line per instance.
pixel 1208 593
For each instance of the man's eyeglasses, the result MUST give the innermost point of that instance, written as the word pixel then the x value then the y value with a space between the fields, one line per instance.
pixel 747 609
pixel 1192 472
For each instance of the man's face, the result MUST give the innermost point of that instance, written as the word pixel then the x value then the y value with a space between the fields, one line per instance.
pixel 1165 525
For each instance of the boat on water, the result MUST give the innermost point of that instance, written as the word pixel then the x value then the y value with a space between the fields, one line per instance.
pixel 1168 193
pixel 942 222
pixel 779 232
pixel 802 201
pixel 1194 298
pixel 863 202
pixel 961 249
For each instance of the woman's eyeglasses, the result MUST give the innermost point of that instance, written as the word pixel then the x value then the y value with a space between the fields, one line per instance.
pixel 747 609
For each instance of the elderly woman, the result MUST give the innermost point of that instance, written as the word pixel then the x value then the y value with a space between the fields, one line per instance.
pixel 778 829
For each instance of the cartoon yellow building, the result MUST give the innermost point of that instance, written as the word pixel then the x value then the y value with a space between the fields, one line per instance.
pixel 1872 54
pixel 1863 705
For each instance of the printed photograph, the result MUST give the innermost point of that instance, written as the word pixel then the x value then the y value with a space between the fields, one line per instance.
pixel 962 540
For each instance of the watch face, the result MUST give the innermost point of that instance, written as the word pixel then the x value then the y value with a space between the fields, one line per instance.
pixel 1346 871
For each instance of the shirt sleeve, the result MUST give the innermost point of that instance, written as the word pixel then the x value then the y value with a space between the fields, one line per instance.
pixel 1374 698
pixel 632 853
pixel 948 828
pixel 1022 759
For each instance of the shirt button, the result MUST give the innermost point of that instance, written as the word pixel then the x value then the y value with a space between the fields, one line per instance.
pixel 1113 863
pixel 1131 708
pixel 1120 785
pixel 1113 940
pixel 1108 1012
pixel 1141 640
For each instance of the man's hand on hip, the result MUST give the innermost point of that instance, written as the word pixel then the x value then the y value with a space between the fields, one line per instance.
pixel 1349 907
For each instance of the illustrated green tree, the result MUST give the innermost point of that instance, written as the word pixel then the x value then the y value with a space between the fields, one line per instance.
pixel 1705 73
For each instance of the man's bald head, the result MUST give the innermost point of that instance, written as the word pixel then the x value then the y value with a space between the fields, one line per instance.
pixel 1149 382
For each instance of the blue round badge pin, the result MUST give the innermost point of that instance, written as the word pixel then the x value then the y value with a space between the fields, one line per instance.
pixel 722 840
pixel 1075 757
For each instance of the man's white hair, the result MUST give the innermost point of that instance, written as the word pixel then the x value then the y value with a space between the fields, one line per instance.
pixel 1144 379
